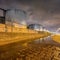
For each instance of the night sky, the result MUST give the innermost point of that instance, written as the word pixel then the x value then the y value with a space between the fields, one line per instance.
pixel 45 12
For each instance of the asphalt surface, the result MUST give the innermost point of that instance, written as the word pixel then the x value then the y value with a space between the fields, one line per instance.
pixel 16 51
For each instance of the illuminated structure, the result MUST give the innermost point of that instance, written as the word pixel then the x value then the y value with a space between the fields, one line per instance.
pixel 12 18
pixel 36 27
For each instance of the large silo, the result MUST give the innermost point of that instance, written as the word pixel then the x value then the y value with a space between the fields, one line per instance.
pixel 15 17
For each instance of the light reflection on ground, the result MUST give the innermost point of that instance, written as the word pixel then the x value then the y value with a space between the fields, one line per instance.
pixel 41 50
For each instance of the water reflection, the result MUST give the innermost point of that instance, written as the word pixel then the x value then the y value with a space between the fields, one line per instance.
pixel 47 40
pixel 43 49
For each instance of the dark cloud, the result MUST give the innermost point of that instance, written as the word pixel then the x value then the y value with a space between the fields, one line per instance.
pixel 45 12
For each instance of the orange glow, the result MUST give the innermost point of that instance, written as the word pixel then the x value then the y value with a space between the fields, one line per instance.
pixel 19 25
pixel 2 27
pixel 16 28
pixel 56 38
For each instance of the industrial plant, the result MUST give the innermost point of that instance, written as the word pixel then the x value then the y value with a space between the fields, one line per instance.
pixel 29 30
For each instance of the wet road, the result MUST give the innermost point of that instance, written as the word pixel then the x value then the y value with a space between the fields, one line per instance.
pixel 47 40
pixel 16 51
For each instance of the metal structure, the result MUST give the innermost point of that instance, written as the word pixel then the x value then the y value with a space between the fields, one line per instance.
pixel 12 17
pixel 2 18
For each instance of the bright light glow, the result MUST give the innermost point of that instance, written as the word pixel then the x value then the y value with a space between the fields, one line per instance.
pixel 23 23
pixel 37 29
pixel 58 30
pixel 16 25
pixel 57 33
pixel 41 29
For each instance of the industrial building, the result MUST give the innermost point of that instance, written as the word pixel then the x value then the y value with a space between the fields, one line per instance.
pixel 37 27
pixel 11 18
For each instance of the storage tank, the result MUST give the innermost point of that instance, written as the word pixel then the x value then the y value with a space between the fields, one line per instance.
pixel 37 27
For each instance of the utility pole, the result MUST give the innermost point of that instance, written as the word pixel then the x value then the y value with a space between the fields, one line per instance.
pixel 4 17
